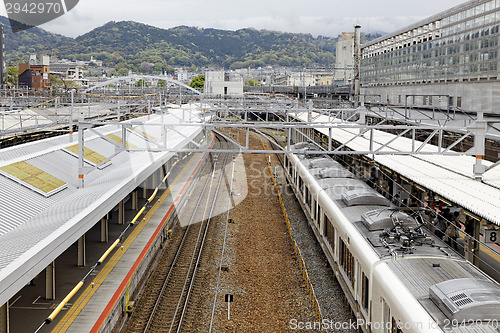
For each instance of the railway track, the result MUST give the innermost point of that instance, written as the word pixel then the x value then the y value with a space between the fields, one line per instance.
pixel 164 300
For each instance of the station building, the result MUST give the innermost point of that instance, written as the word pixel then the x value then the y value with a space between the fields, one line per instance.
pixel 448 61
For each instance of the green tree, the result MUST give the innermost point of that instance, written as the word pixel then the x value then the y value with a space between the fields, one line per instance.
pixel 67 85
pixel 12 76
pixel 253 83
pixel 198 82
pixel 140 83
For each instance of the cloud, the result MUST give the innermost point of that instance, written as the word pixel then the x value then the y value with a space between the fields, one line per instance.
pixel 318 17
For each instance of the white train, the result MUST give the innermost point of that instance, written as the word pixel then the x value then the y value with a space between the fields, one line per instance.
pixel 397 276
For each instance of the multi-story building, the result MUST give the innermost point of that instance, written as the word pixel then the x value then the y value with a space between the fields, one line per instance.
pixel 182 75
pixel 69 72
pixel 448 60
pixel 308 78
pixel 218 83
pixel 35 75
pixel 344 55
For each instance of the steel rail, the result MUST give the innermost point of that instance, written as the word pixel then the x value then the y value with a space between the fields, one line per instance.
pixel 198 259
pixel 170 271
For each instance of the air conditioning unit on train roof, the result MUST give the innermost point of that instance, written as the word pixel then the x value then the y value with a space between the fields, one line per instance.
pixel 335 172
pixel 380 219
pixel 467 299
pixel 301 145
pixel 323 162
pixel 364 197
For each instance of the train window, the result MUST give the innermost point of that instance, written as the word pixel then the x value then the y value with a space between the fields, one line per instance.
pixel 347 262
pixel 330 232
pixel 317 215
pixel 395 327
pixel 365 291
pixel 386 311
pixel 289 167
pixel 313 210
pixel 308 198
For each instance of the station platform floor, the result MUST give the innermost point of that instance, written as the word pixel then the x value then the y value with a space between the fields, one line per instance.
pixel 29 307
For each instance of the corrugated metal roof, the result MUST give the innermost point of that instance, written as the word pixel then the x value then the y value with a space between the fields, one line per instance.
pixel 35 230
pixel 451 177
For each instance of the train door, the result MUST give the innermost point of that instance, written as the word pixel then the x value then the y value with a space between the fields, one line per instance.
pixel 321 220
pixel 386 317
pixel 389 323
pixel 307 199
pixel 316 213
pixel 314 210
pixel 363 292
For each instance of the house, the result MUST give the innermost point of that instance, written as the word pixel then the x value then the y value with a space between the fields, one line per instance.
pixel 34 75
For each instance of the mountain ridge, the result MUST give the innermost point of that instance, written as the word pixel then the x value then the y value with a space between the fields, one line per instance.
pixel 130 45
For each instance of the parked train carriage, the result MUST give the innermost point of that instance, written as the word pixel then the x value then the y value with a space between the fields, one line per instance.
pixel 397 276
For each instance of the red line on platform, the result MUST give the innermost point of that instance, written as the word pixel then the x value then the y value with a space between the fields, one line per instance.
pixel 107 310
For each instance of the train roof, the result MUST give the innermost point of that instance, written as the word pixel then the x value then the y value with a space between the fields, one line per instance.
pixel 453 178
pixel 450 289
pixel 390 231
pixel 471 298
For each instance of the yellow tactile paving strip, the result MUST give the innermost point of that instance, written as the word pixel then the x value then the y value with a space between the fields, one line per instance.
pixel 87 294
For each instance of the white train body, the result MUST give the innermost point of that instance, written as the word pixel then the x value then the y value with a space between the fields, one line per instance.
pixel 388 285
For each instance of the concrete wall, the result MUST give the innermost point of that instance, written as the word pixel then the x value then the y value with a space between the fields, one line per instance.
pixel 468 96
pixel 217 84
pixel 344 64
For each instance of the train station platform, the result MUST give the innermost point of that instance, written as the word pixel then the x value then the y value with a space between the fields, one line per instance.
pixel 58 215
pixel 91 309
pixel 102 291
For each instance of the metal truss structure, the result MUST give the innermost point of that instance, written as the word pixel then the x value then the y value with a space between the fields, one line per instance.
pixel 31 111
pixel 298 122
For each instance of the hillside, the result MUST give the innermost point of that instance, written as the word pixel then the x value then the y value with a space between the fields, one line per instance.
pixel 140 47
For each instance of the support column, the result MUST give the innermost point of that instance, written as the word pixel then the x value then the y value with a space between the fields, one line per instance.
pixel 135 200
pixel 121 212
pixel 104 230
pixel 155 179
pixel 145 189
pixel 50 281
pixel 4 318
pixel 475 242
pixel 81 251
pixel 357 64
pixel 479 148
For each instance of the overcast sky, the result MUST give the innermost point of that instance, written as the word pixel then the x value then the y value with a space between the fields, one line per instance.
pixel 318 17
